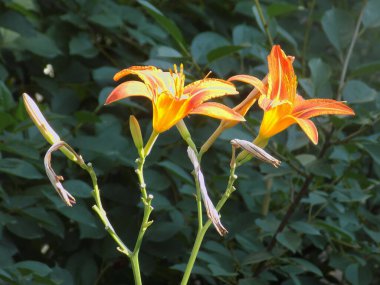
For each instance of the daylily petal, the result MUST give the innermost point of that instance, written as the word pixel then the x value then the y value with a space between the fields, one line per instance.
pixel 309 129
pixel 315 107
pixel 218 111
pixel 208 88
pixel 167 111
pixel 155 79
pixel 282 79
pixel 128 89
pixel 133 70
pixel 276 120
pixel 254 81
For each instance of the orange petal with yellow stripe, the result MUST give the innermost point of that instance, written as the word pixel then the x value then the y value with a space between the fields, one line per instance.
pixel 309 129
pixel 315 107
pixel 282 80
pixel 218 111
pixel 208 88
pixel 254 81
pixel 128 89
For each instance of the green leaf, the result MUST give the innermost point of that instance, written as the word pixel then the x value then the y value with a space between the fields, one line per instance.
pixel 338 26
pixel 34 267
pixel 222 52
pixel 374 151
pixel 358 92
pixel 82 45
pixel 204 43
pixel 17 22
pixel 18 167
pixel 371 17
pixel 6 99
pixel 358 275
pixel 304 228
pixel 79 213
pixel 220 271
pixel 108 14
pixel 39 44
pixel 78 188
pixel 307 266
pixel 367 68
pixel 196 269
pixel 331 228
pixel 104 75
pixel 165 23
pixel 25 228
pixel 244 35
pixel 320 76
pixel 290 240
pixel 161 231
pixel 280 8
pixel 257 257
pixel 177 170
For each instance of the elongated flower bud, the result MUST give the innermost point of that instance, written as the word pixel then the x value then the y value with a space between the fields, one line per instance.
pixel 43 126
pixel 39 120
pixel 136 133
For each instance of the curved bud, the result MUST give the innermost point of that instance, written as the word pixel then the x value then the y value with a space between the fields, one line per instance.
pixel 43 126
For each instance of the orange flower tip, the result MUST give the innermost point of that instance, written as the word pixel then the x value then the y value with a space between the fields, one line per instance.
pixel 132 70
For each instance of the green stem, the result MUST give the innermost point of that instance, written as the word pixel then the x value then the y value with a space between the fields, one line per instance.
pixel 203 229
pixel 150 143
pixel 306 37
pixel 349 53
pixel 264 22
pixel 185 134
pixel 136 269
pixel 210 141
pixel 98 208
pixel 147 201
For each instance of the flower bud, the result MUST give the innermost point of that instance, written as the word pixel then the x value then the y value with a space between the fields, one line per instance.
pixel 43 126
pixel 39 120
pixel 136 133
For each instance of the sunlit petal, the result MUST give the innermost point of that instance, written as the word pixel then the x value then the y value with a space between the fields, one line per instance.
pixel 209 88
pixel 128 89
pixel 157 81
pixel 309 129
pixel 254 81
pixel 218 111
pixel 276 120
pixel 167 111
pixel 315 107
pixel 282 79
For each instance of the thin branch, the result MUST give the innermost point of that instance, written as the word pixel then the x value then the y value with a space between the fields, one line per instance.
pixel 264 22
pixel 349 54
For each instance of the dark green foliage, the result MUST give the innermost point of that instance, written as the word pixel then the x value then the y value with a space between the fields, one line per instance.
pixel 333 235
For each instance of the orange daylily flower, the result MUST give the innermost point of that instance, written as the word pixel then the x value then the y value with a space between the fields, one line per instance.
pixel 171 99
pixel 282 105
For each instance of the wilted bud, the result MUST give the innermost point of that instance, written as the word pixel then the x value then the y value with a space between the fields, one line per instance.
pixel 39 120
pixel 56 179
pixel 256 151
pixel 43 126
pixel 212 213
pixel 136 133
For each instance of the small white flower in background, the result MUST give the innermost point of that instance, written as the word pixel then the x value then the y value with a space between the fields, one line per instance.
pixel 49 70
pixel 39 97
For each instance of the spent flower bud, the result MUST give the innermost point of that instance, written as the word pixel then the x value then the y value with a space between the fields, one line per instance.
pixel 212 213
pixel 256 151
